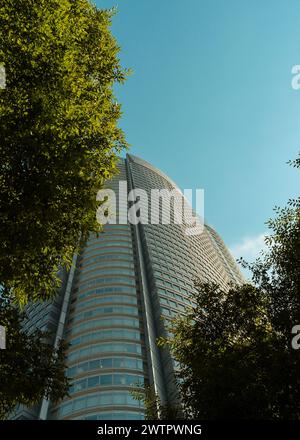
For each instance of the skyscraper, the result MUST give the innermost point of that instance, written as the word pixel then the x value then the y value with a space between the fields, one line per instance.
pixel 117 299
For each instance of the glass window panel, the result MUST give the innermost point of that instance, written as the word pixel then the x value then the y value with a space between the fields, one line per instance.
pixel 106 399
pixel 66 409
pixel 106 379
pixel 93 381
pixel 92 401
pixel 106 363
pixel 79 404
pixel 119 398
pixel 94 364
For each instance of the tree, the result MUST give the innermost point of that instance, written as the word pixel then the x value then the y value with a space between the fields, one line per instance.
pixel 154 408
pixel 30 368
pixel 234 347
pixel 278 272
pixel 59 135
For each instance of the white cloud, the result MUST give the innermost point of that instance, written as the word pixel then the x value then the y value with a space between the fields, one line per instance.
pixel 249 248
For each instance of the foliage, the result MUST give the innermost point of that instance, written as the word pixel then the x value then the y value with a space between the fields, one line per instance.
pixel 278 272
pixel 234 347
pixel 154 408
pixel 59 135
pixel 30 368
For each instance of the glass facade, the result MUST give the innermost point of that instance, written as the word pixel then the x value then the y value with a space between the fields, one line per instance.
pixel 125 281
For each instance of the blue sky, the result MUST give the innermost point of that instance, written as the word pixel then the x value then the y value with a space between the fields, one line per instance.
pixel 211 103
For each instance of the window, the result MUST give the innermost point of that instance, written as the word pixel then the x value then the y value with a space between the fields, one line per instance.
pixel 66 409
pixel 104 290
pixel 80 385
pixel 97 252
pixel 92 401
pixel 106 363
pixel 107 299
pixel 104 322
pixel 93 381
pixel 79 404
pixel 96 281
pixel 106 379
pixel 118 415
pixel 104 348
pixel 105 310
pixel 107 272
pixel 120 399
pixel 93 364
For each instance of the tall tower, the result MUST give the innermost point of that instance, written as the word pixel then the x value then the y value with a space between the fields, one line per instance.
pixel 124 287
